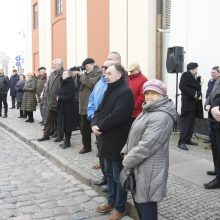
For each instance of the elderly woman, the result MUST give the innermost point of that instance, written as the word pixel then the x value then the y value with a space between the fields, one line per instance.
pixel 29 100
pixel 67 116
pixel 146 151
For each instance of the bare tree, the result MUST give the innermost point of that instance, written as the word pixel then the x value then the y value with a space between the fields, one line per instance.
pixel 4 61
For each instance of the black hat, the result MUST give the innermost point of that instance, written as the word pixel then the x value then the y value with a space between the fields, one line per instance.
pixel 192 66
pixel 88 61
pixel 41 68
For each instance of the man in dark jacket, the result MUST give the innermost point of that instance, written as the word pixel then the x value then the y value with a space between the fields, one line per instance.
pixel 111 125
pixel 214 76
pixel 4 87
pixel 85 82
pixel 13 80
pixel 41 80
pixel 190 91
pixel 52 89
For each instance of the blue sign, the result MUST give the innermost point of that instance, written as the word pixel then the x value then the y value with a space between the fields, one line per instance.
pixel 18 64
pixel 18 58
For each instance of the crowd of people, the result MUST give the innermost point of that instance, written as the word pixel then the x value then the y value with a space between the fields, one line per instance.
pixel 131 117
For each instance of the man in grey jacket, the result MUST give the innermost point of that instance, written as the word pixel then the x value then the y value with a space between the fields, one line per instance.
pixel 4 87
pixel 52 89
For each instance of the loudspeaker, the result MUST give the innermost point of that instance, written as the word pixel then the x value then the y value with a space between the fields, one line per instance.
pixel 175 59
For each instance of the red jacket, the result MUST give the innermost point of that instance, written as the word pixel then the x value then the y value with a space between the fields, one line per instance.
pixel 136 82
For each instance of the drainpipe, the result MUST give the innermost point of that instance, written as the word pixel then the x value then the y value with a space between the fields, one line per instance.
pixel 159 40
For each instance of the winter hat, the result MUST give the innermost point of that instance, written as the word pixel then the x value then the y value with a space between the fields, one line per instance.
pixel 133 66
pixel 88 61
pixel 155 85
pixel 192 66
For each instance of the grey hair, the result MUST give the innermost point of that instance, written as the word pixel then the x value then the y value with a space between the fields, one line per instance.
pixel 58 61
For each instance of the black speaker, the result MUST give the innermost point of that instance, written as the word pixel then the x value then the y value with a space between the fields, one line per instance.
pixel 175 59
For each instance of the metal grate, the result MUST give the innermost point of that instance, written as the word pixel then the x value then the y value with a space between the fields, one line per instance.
pixel 166 14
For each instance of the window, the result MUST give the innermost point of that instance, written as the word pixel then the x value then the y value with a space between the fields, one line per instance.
pixel 59 8
pixel 35 16
pixel 166 14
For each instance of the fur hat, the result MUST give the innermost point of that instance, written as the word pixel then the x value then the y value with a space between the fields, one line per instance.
pixel 88 61
pixel 155 85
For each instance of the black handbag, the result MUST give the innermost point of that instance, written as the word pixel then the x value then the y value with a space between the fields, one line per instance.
pixel 127 180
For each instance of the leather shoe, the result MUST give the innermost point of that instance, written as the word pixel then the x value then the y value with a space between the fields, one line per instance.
pixel 104 208
pixel 54 136
pixel 183 147
pixel 105 189
pixel 191 143
pixel 212 173
pixel 58 139
pixel 214 184
pixel 115 215
pixel 83 151
pixel 100 182
pixel 43 139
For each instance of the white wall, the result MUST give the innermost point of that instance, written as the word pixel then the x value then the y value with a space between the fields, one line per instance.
pixel 133 33
pixel 194 25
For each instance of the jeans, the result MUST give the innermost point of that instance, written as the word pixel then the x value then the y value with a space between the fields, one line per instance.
pixel 117 197
pixel 148 211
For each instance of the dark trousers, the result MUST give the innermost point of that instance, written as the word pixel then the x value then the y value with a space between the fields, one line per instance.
pixel 215 140
pixel 13 98
pixel 3 99
pixel 101 159
pixel 148 211
pixel 85 130
pixel 68 135
pixel 187 127
pixel 51 124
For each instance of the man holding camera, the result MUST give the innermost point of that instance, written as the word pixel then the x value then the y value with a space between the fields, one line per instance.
pixel 86 79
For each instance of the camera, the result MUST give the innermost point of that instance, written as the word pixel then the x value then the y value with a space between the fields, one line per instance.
pixel 77 68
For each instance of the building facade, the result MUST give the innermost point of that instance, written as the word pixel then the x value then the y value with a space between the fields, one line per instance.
pixel 76 29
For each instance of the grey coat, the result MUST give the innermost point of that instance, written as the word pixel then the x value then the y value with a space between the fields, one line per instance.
pixel 53 86
pixel 215 91
pixel 29 100
pixel 147 149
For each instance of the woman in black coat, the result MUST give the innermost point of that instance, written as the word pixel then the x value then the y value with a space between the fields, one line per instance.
pixel 66 119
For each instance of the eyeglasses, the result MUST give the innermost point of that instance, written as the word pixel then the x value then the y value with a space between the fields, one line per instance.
pixel 104 67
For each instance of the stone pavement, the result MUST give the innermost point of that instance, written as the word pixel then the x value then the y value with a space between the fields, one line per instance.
pixel 186 197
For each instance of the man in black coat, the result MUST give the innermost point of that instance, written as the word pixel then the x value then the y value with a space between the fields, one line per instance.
pixel 191 91
pixel 111 125
pixel 13 80
pixel 4 87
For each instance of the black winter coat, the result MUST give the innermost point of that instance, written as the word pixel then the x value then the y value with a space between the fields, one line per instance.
pixel 67 113
pixel 113 118
pixel 13 80
pixel 188 86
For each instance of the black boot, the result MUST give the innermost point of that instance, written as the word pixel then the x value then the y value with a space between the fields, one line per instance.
pixel 5 115
pixel 31 117
pixel 66 144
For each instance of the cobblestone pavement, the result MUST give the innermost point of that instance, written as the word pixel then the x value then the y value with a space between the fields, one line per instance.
pixel 186 197
pixel 32 187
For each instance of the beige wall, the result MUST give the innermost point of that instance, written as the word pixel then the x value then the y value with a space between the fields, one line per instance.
pixel 133 32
